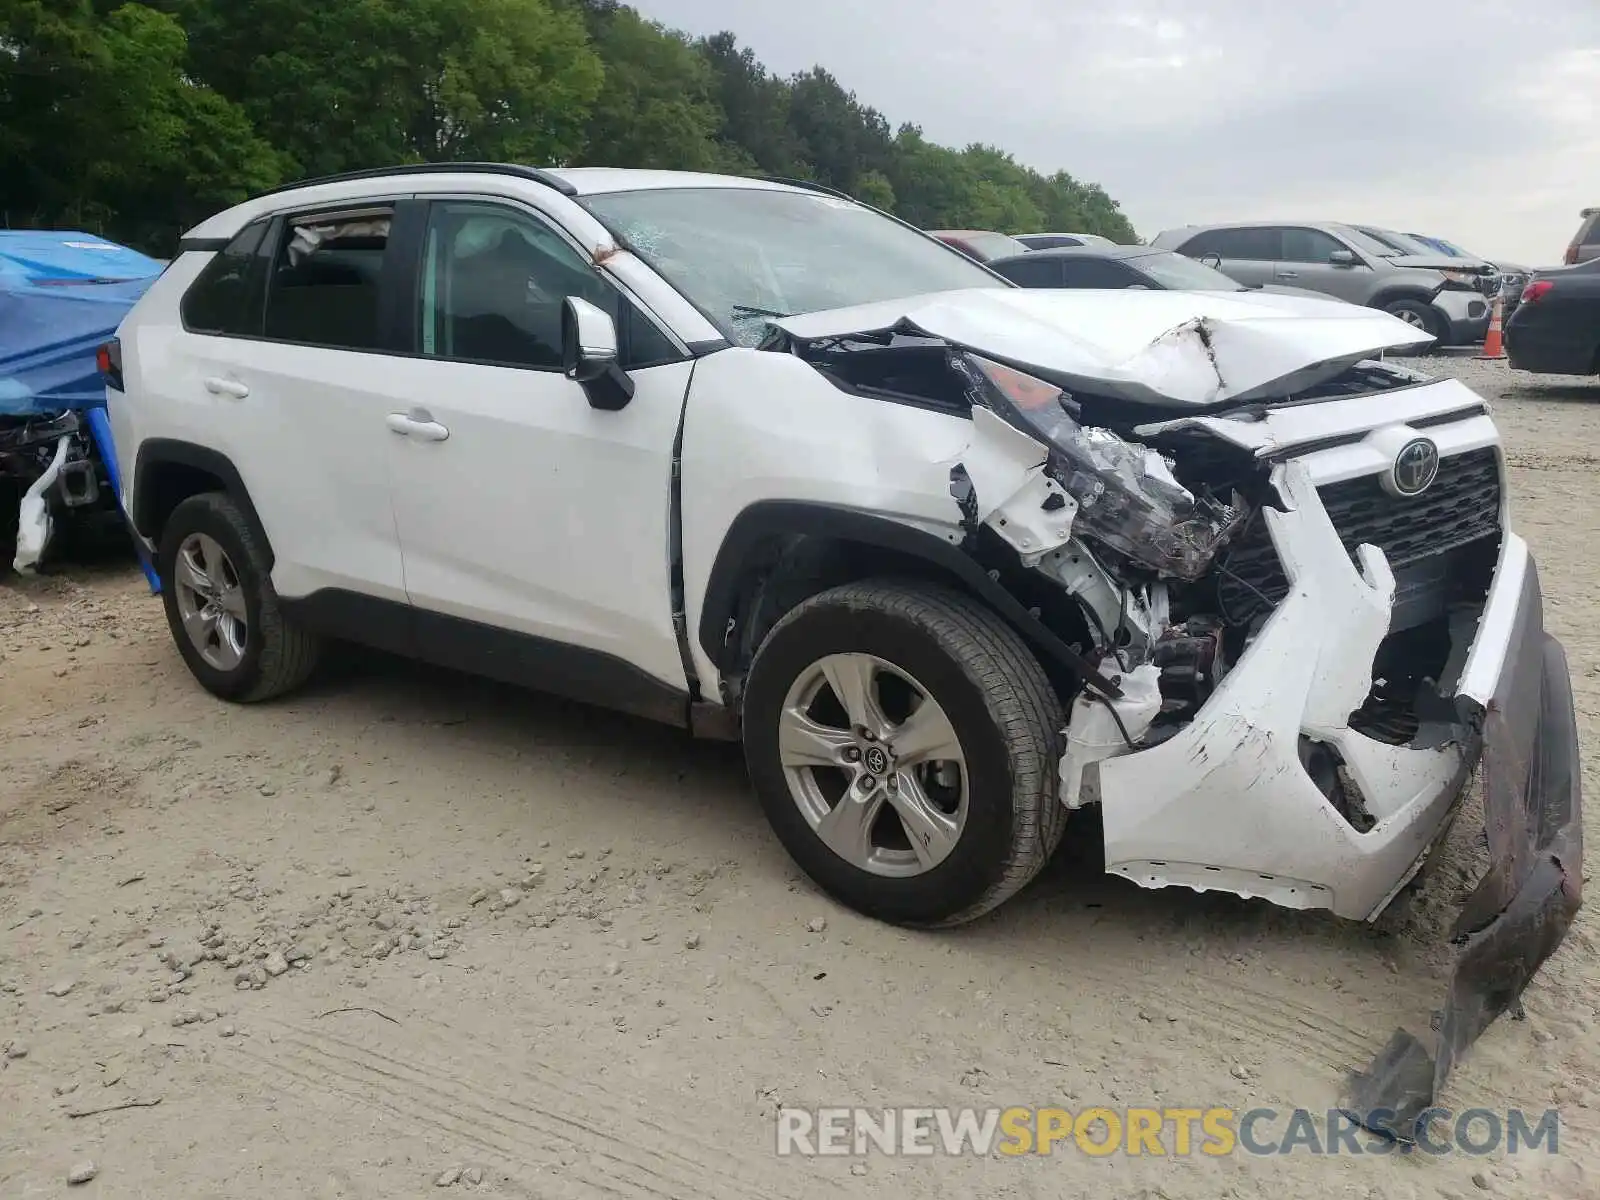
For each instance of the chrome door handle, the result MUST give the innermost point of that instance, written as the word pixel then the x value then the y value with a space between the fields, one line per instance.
pixel 218 386
pixel 1288 274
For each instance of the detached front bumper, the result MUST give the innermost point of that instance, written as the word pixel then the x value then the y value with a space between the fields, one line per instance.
pixel 1226 804
pixel 1517 690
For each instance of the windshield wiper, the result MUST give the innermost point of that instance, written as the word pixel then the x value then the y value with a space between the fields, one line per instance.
pixel 753 311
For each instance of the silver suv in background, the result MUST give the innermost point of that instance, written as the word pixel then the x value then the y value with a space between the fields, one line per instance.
pixel 1585 243
pixel 1444 296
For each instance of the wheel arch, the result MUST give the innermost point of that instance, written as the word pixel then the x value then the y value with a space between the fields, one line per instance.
pixel 777 554
pixel 167 471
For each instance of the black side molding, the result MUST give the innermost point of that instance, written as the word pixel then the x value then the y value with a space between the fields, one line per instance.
pixel 785 518
pixel 520 659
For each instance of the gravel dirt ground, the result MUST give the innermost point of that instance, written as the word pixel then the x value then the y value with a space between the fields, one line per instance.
pixel 408 932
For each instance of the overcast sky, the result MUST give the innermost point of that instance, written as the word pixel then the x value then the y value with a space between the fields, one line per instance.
pixel 1477 121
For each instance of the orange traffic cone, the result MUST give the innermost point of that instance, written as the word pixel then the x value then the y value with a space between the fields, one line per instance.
pixel 1493 346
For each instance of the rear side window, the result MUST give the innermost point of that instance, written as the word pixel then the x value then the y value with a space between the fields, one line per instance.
pixel 324 284
pixel 1099 273
pixel 1031 272
pixel 226 297
pixel 1589 232
pixel 1251 245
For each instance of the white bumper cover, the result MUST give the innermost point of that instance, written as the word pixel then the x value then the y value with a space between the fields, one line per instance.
pixel 1226 804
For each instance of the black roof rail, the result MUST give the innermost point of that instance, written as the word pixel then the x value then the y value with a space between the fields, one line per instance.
pixel 810 185
pixel 533 174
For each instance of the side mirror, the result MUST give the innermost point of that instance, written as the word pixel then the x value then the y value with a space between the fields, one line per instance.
pixel 589 354
pixel 1344 258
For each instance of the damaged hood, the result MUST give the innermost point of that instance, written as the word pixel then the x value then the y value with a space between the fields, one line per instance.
pixel 1173 348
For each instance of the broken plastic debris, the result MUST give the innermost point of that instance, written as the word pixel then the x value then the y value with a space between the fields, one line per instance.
pixel 1127 496
pixel 33 521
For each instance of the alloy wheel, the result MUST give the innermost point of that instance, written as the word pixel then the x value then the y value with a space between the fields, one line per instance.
pixel 874 764
pixel 211 601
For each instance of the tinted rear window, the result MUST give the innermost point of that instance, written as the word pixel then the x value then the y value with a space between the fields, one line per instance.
pixel 1589 231
pixel 226 297
pixel 1254 245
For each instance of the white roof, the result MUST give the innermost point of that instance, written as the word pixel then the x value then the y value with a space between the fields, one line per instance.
pixel 588 181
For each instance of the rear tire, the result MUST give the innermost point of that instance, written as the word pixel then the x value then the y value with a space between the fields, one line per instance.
pixel 221 607
pixel 992 832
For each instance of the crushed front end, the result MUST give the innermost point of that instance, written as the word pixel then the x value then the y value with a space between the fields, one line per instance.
pixel 1281 585
pixel 1319 626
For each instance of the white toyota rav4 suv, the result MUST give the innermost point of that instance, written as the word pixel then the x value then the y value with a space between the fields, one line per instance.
pixel 953 558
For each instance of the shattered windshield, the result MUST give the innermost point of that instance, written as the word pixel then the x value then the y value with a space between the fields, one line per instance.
pixel 742 255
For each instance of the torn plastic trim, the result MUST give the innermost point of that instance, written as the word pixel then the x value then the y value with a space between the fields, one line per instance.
pixel 1526 903
pixel 33 520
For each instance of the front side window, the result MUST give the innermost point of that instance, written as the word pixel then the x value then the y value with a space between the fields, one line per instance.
pixel 742 255
pixel 324 285
pixel 226 297
pixel 1309 246
pixel 495 281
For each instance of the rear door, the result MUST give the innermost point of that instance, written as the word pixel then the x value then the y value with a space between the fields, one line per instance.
pixel 283 369
pixel 1249 253
pixel 1307 262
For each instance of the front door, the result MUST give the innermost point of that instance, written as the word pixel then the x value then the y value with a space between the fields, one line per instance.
pixel 1307 262
pixel 522 510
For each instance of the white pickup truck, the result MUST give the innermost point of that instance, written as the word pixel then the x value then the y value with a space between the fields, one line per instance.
pixel 951 557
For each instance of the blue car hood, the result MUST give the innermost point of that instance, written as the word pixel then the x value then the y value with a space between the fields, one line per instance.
pixel 61 295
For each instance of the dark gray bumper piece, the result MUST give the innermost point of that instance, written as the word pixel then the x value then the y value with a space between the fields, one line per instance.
pixel 1526 902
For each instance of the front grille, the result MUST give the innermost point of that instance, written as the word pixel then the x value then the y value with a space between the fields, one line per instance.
pixel 1460 508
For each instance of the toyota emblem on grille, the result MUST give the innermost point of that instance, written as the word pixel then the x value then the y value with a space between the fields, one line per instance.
pixel 1415 467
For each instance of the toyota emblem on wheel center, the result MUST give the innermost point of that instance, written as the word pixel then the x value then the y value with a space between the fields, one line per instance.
pixel 1415 467
pixel 877 761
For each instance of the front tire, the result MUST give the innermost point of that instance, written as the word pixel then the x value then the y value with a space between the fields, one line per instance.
pixel 1415 312
pixel 221 606
pixel 903 742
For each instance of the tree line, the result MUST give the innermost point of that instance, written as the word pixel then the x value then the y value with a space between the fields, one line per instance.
pixel 138 119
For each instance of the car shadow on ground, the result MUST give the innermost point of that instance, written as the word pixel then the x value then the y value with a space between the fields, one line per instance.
pixel 1074 897
pixel 1578 392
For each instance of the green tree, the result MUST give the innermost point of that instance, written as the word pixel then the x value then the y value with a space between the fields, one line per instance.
pixel 657 106
pixel 755 111
pixel 362 83
pixel 100 125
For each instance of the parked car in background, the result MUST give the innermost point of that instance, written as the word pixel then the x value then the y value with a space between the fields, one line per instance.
pixel 1055 241
pixel 1556 328
pixel 1438 294
pixel 1585 244
pixel 62 293
pixel 1116 266
pixel 1513 276
pixel 980 244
